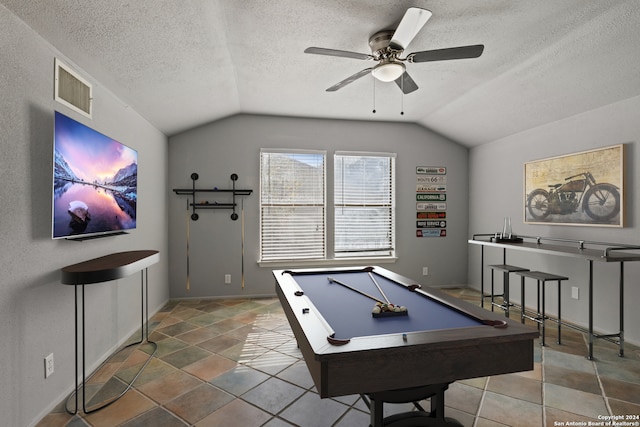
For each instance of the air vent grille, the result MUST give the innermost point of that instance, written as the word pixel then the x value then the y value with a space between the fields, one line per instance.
pixel 72 90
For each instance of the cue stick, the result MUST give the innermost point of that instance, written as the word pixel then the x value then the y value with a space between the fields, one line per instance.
pixel 188 236
pixel 332 280
pixel 379 288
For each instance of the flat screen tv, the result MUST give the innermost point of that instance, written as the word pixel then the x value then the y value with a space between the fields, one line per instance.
pixel 95 182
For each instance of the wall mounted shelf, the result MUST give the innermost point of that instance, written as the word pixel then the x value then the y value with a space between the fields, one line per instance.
pixel 212 204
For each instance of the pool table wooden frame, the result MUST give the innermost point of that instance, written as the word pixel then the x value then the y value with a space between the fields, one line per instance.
pixel 371 364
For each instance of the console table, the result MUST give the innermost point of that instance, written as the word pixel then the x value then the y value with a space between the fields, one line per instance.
pixel 103 269
pixel 597 251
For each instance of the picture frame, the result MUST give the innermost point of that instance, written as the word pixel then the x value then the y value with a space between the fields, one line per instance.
pixel 583 188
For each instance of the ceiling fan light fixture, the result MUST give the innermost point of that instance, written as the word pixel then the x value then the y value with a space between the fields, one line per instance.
pixel 388 71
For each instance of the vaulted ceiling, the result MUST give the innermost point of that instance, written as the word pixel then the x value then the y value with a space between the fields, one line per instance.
pixel 183 63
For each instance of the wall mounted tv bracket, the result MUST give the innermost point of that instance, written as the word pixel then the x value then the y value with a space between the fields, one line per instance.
pixel 207 204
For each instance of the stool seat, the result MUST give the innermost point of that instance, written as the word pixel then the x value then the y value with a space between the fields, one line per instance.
pixel 506 269
pixel 542 278
pixel 541 275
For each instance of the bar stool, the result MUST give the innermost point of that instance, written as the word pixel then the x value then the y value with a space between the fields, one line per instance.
pixel 542 278
pixel 506 269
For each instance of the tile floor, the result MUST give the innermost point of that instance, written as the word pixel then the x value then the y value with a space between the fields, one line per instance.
pixel 235 363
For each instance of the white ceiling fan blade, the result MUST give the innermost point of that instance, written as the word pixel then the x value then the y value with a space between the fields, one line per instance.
pixel 412 22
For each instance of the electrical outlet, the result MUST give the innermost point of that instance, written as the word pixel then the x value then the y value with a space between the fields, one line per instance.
pixel 425 271
pixel 48 365
pixel 575 292
pixel 227 279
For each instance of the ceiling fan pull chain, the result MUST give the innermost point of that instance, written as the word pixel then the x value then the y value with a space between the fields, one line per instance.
pixel 401 96
pixel 374 96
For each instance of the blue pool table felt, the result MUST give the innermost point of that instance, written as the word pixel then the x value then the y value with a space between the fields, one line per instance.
pixel 349 313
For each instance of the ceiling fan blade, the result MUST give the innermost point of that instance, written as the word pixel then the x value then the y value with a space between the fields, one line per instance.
pixel 406 83
pixel 412 22
pixel 349 79
pixel 335 52
pixel 460 52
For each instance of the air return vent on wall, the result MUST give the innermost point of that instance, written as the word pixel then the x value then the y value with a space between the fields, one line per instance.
pixel 72 90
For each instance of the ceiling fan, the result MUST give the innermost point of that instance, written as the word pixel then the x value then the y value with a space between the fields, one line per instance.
pixel 388 45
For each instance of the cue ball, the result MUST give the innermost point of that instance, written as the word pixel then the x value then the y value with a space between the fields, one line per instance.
pixel 376 309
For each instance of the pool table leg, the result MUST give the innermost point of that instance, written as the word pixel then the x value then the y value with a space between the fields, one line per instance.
pixel 435 418
pixel 377 413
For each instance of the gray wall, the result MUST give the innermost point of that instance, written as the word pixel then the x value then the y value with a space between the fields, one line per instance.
pixel 36 311
pixel 233 145
pixel 496 191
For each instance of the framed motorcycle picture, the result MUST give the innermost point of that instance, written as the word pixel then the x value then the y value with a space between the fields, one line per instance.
pixel 585 188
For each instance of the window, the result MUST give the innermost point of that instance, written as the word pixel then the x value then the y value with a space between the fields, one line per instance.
pixel 293 205
pixel 364 193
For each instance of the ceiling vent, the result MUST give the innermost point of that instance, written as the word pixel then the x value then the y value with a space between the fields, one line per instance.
pixel 72 90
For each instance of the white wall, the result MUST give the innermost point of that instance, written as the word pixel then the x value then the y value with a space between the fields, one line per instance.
pixel 496 191
pixel 233 145
pixel 36 311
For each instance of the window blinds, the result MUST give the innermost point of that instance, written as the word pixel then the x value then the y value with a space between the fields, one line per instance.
pixel 364 202
pixel 292 205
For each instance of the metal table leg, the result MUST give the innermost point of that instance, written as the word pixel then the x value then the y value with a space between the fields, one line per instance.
pixel 590 355
pixel 144 286
pixel 621 349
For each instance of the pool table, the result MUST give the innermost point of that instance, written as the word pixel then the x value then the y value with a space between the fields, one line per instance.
pixel 401 357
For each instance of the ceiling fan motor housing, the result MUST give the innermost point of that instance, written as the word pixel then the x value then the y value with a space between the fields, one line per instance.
pixel 380 48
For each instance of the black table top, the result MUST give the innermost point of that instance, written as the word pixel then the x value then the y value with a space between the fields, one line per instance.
pixel 109 267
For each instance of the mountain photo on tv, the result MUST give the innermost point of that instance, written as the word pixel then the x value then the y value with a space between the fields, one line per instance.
pixel 95 182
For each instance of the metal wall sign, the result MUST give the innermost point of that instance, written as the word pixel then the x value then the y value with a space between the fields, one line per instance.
pixel 431 179
pixel 431 188
pixel 431 233
pixel 431 197
pixel 431 224
pixel 431 215
pixel 426 206
pixel 431 170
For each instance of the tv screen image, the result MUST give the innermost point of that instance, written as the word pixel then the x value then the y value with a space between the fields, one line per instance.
pixel 95 182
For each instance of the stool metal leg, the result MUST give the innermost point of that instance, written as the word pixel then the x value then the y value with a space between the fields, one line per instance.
pixel 543 313
pixel 621 310
pixel 522 299
pixel 505 293
pixel 482 276
pixel 590 352
pixel 492 291
pixel 559 315
pixel 538 306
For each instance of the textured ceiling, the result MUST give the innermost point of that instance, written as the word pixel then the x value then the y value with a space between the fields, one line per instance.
pixel 183 63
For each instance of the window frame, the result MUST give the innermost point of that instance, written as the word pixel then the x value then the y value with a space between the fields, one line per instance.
pixel 323 191
pixel 363 253
pixel 329 213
